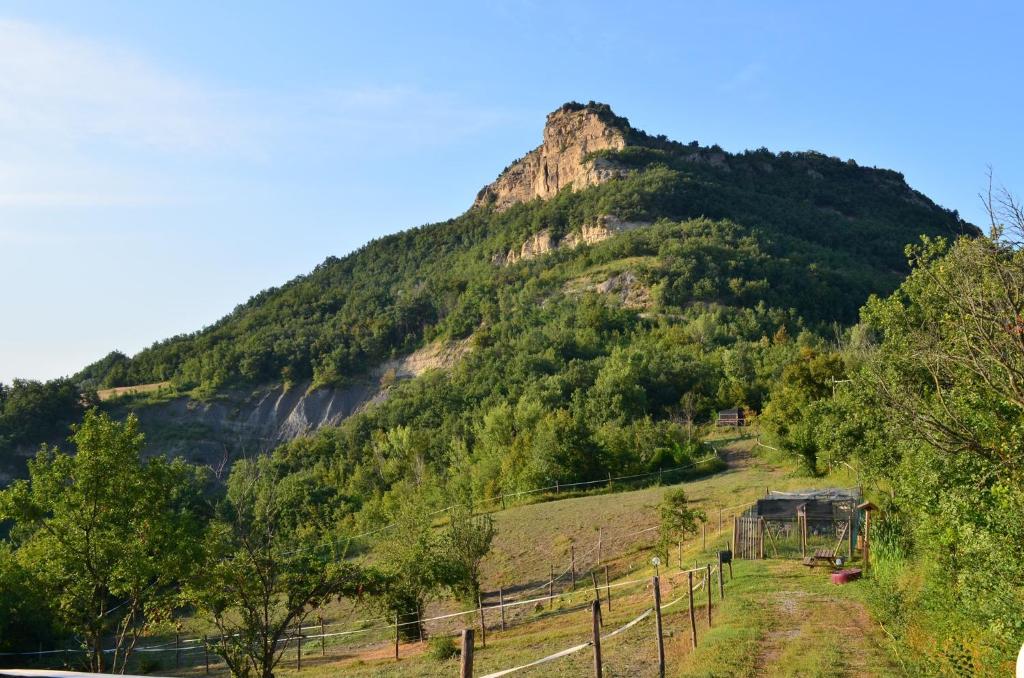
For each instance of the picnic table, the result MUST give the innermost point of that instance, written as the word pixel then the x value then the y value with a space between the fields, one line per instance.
pixel 820 556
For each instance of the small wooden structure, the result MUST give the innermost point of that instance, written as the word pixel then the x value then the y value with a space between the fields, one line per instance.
pixel 733 417
pixel 817 526
pixel 866 508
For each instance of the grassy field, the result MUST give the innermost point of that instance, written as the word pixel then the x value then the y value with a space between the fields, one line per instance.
pixel 105 394
pixel 778 618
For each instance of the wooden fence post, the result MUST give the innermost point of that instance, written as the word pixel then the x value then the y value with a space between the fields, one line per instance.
pixel 735 531
pixel 467 654
pixel 551 587
pixel 396 636
pixel 721 586
pixel 323 637
pixel 298 649
pixel 681 563
pixel 206 654
pixel 595 610
pixel 177 649
pixel 483 626
pixel 719 520
pixel 852 539
pixel 760 538
pixel 704 536
pixel 501 606
pixel 607 589
pixel 707 585
pixel 597 591
pixel 657 626
pixel 600 534
pixel 693 616
pixel 572 567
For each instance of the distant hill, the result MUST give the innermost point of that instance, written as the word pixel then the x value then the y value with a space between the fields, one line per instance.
pixel 608 277
pixel 830 233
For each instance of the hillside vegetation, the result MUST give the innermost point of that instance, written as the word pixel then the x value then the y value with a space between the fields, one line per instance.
pixel 775 282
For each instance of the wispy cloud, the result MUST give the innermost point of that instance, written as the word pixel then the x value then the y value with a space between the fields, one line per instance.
pixel 744 78
pixel 71 91
pixel 88 124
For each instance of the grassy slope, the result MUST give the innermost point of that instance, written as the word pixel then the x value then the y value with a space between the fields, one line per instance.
pixel 777 618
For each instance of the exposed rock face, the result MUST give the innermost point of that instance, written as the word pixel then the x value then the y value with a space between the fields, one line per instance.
pixel 569 135
pixel 628 288
pixel 589 234
pixel 255 421
pixel 607 225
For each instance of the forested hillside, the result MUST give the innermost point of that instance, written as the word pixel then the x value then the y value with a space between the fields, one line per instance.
pixel 831 229
pixel 600 329
pixel 728 261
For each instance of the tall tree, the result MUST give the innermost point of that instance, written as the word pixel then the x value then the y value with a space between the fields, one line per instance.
pixel 274 555
pixel 107 535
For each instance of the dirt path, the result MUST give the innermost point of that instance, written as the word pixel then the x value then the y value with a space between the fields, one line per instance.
pixel 815 628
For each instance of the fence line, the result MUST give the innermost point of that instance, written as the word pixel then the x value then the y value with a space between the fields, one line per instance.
pixel 636 620
pixel 173 646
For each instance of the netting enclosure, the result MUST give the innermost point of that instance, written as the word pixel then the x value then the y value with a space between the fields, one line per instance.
pixel 799 524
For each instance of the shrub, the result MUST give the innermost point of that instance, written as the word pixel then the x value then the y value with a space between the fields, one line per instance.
pixel 441 648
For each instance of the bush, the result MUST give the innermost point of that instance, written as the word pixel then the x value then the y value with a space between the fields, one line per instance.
pixel 148 665
pixel 441 648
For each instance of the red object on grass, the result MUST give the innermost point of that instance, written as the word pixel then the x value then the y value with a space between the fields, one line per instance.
pixel 846 576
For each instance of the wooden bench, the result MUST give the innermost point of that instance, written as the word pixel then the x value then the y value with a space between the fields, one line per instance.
pixel 820 555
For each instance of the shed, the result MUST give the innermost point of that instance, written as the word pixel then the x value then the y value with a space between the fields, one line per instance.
pixel 732 417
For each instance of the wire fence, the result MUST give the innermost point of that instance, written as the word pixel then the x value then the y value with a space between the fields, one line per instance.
pixel 311 640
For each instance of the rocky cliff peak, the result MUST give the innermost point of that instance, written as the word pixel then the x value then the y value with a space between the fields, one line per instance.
pixel 571 133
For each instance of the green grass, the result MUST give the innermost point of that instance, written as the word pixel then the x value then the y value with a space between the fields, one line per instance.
pixel 777 618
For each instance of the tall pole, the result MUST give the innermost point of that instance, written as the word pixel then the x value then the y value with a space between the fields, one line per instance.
pixel 572 566
pixel 396 636
pixel 206 653
pixel 551 587
pixel 597 591
pixel 323 638
pixel 483 626
pixel 707 585
pixel 657 627
pixel 600 534
pixel 466 668
pixel 721 586
pixel 735 531
pixel 595 611
pixel 501 606
pixel 693 616
pixel 607 589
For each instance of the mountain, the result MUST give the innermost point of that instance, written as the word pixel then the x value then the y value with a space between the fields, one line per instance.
pixel 602 245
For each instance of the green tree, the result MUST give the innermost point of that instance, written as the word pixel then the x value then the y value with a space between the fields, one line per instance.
pixel 947 382
pixel 107 536
pixel 791 416
pixel 26 618
pixel 274 555
pixel 466 541
pixel 677 520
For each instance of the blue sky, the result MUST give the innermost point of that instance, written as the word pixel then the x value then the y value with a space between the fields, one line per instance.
pixel 162 162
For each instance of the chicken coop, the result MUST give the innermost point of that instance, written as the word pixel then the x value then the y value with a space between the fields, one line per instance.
pixel 812 524
pixel 733 417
